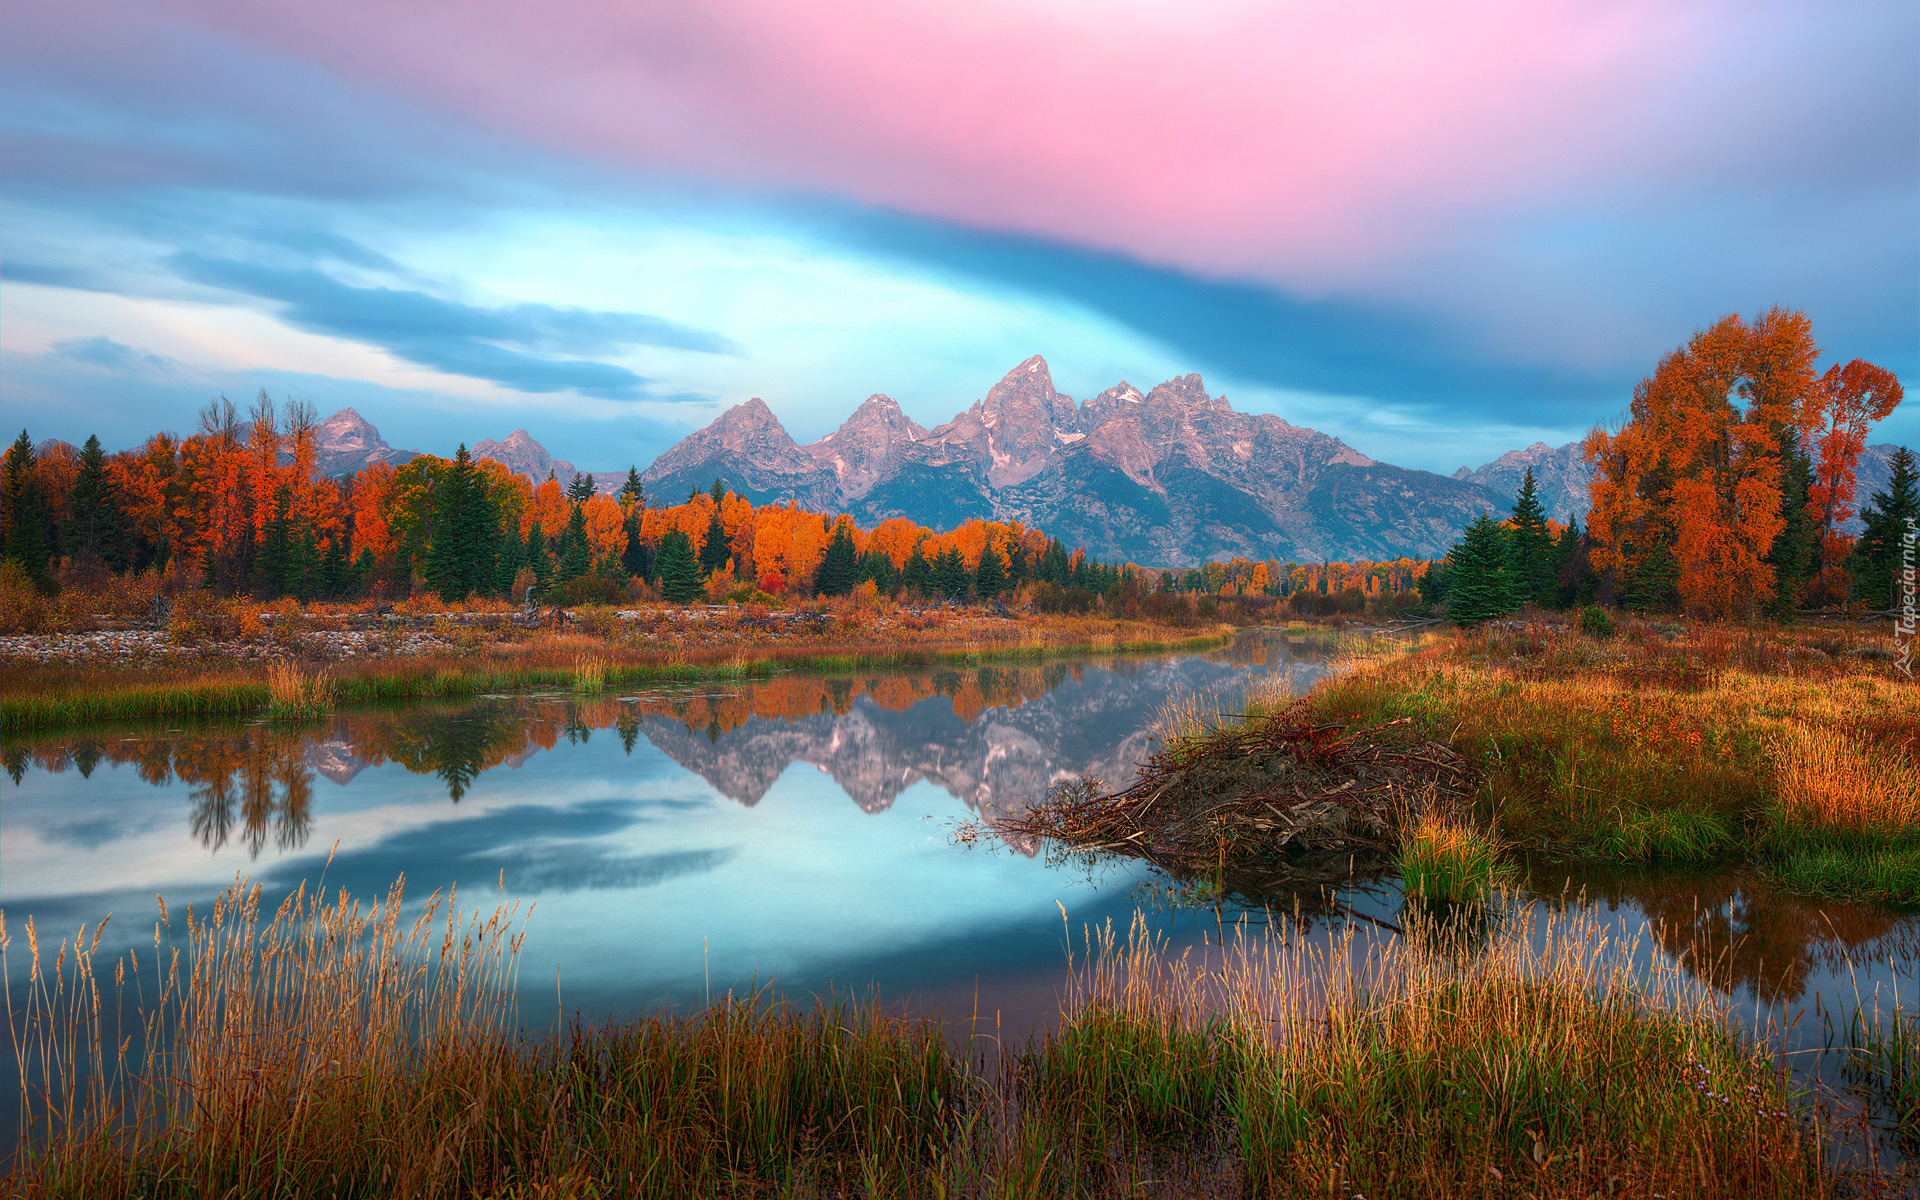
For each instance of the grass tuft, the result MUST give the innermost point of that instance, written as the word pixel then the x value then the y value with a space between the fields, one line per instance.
pixel 295 694
pixel 1451 861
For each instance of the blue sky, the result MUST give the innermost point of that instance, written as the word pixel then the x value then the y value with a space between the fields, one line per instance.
pixel 606 223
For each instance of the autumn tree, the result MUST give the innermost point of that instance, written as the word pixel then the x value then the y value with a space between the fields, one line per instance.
pixel 1847 401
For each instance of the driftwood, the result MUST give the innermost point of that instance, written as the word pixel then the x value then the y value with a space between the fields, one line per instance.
pixel 1274 785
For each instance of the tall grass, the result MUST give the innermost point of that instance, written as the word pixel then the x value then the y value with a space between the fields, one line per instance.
pixel 1451 861
pixel 334 1052
pixel 296 694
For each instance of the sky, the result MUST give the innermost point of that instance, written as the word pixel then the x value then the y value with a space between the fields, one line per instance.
pixel 1435 231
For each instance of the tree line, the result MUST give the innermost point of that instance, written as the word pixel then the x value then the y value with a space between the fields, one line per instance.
pixel 238 508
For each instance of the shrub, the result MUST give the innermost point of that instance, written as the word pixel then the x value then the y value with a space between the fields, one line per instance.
pixel 586 590
pixel 200 616
pixel 1595 623
pixel 22 608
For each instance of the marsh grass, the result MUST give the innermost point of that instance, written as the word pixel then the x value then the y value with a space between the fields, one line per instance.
pixel 295 693
pixel 1449 860
pixel 1884 1055
pixel 1679 744
pixel 331 1051
pixel 590 674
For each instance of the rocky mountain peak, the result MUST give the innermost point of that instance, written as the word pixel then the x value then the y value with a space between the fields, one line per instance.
pixel 346 442
pixel 868 446
pixel 522 455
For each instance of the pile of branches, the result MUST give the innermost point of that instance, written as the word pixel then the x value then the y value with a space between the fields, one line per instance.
pixel 1275 784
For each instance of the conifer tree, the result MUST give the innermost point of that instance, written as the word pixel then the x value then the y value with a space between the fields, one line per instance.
pixel 717 492
pixel 333 570
pixel 576 554
pixel 637 558
pixel 506 565
pixel 364 569
pixel 539 558
pixel 1530 548
pixel 1891 518
pixel 1478 583
pixel 875 565
pixel 1794 555
pixel 950 575
pixel 917 575
pixel 25 514
pixel 96 522
pixel 679 570
pixel 277 558
pixel 632 495
pixel 839 569
pixel 714 551
pixel 990 578
pixel 580 488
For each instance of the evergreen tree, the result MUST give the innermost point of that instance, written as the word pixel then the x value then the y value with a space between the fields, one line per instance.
pixel 576 554
pixel 1890 518
pixel 715 551
pixel 334 571
pixel 96 523
pixel 878 567
pixel 506 565
pixel 1530 548
pixel 917 575
pixel 1795 551
pixel 539 558
pixel 461 559
pixel 1569 564
pixel 632 495
pixel 1054 565
pixel 25 514
pixel 990 578
pixel 637 558
pixel 839 567
pixel 718 492
pixel 679 570
pixel 950 575
pixel 1478 584
pixel 580 488
pixel 303 566
pixel 1017 567
pixel 364 569
pixel 277 559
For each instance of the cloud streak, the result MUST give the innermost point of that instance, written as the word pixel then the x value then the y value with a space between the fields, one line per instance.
pixel 461 339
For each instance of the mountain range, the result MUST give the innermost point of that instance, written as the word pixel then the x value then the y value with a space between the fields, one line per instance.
pixel 1170 477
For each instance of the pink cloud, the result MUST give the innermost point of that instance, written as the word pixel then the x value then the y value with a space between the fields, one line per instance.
pixel 1299 140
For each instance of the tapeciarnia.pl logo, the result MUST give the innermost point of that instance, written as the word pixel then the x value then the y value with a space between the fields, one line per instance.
pixel 1903 618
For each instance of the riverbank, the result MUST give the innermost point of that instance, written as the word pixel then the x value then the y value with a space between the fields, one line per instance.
pixel 1795 749
pixel 382 1057
pixel 329 659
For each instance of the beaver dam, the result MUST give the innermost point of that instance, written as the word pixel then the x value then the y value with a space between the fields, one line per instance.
pixel 1275 795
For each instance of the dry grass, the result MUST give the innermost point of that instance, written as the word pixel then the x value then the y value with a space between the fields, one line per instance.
pixel 1825 779
pixel 1447 859
pixel 337 1052
pixel 297 693
pixel 590 673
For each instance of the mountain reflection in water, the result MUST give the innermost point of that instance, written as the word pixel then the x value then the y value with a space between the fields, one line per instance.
pixel 673 847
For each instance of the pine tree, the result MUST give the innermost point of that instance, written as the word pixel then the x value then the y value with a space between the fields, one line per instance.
pixel 950 575
pixel 990 579
pixel 364 569
pixel 1478 584
pixel 1530 548
pixel 333 570
pixel 718 492
pixel 576 554
pixel 917 575
pixel 875 565
pixel 632 495
pixel 714 551
pixel 96 523
pixel 839 568
pixel 506 565
pixel 580 488
pixel 636 557
pixel 679 570
pixel 461 558
pixel 274 561
pixel 539 558
pixel 1890 518
pixel 1569 564
pixel 1794 555
pixel 25 514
